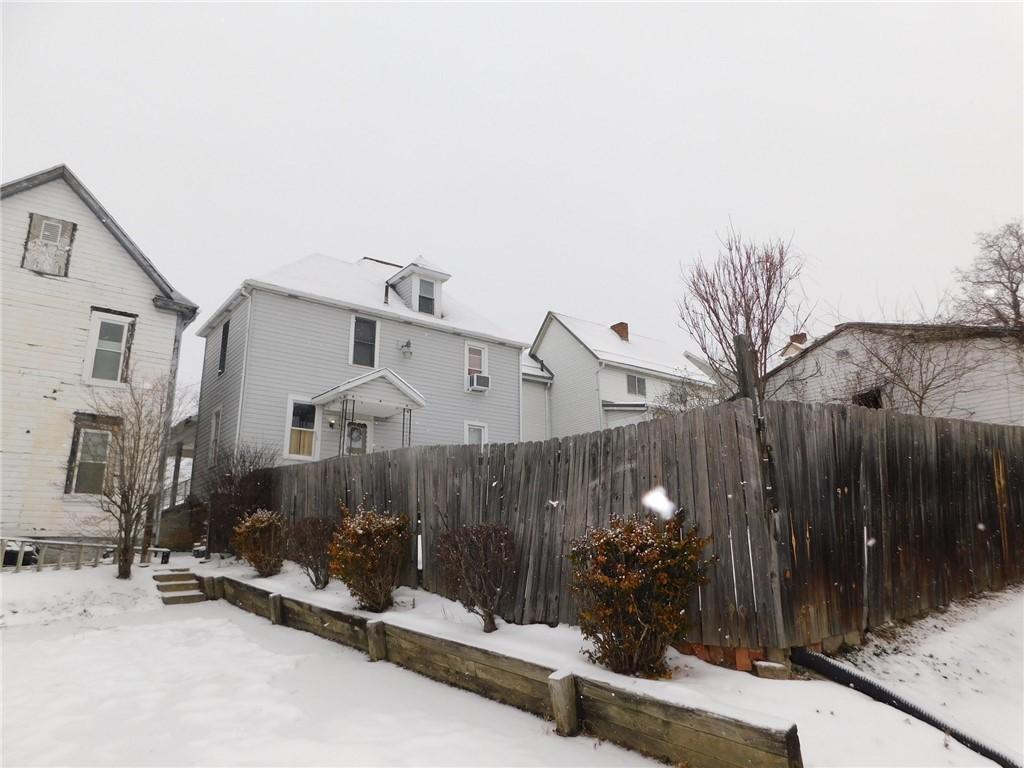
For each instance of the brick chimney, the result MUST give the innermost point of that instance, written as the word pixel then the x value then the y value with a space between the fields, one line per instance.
pixel 622 329
pixel 798 338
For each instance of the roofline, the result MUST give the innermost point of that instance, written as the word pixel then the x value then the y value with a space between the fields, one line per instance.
pixel 992 331
pixel 654 372
pixel 393 378
pixel 544 327
pixel 411 267
pixel 210 324
pixel 179 302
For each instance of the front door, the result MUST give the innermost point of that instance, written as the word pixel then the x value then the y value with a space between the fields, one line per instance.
pixel 357 438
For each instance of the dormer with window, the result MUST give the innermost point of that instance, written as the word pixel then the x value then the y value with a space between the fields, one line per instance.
pixel 419 285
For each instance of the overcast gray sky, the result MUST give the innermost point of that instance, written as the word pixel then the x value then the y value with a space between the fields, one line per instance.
pixel 549 156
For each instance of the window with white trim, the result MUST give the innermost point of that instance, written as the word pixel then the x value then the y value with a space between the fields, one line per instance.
pixel 215 426
pixel 426 297
pixel 476 359
pixel 636 385
pixel 109 347
pixel 301 430
pixel 476 433
pixel 48 245
pixel 364 342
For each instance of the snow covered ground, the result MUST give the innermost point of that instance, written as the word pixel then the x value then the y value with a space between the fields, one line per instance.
pixel 966 664
pixel 120 679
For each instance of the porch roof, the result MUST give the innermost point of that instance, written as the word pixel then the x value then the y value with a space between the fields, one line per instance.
pixel 380 392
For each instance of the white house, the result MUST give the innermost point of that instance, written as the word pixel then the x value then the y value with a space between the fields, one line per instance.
pixel 582 376
pixel 952 371
pixel 82 306
pixel 325 357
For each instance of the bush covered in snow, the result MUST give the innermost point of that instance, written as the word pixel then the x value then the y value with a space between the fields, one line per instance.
pixel 309 544
pixel 367 554
pixel 260 539
pixel 477 565
pixel 633 581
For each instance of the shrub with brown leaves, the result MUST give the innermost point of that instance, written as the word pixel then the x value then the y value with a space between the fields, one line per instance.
pixel 367 553
pixel 309 544
pixel 260 539
pixel 633 582
pixel 477 564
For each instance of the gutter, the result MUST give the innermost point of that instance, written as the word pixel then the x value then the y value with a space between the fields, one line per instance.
pixel 245 374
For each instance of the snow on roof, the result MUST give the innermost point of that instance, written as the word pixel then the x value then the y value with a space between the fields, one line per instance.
pixel 639 352
pixel 531 367
pixel 362 284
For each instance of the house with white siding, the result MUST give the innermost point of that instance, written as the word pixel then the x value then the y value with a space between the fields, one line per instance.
pixel 583 376
pixel 325 357
pixel 950 371
pixel 82 307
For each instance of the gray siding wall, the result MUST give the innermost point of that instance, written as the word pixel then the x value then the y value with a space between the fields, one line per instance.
pixel 404 289
pixel 220 391
pixel 535 410
pixel 574 398
pixel 301 348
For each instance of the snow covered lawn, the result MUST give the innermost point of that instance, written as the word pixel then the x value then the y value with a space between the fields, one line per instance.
pixel 966 664
pixel 208 684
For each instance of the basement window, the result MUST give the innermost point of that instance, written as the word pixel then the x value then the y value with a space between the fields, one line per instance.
pixel 48 245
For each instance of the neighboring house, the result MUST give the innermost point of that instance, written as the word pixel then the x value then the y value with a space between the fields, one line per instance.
pixel 325 357
pixel 582 376
pixel 82 306
pixel 953 371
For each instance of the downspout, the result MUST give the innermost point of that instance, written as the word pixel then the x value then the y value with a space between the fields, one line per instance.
pixel 247 292
pixel 600 408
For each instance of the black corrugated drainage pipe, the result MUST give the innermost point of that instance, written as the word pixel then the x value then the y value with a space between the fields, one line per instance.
pixel 846 675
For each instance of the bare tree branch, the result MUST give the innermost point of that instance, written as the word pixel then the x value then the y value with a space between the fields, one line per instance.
pixel 990 290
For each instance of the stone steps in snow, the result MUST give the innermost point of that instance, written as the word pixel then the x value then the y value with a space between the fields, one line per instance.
pixel 177 598
pixel 176 576
pixel 178 586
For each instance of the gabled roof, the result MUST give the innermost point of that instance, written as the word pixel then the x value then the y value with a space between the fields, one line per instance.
pixel 641 353
pixel 387 374
pixel 363 286
pixel 423 267
pixel 174 300
pixel 936 331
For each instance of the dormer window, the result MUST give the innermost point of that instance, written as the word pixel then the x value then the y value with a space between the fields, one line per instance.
pixel 426 297
pixel 48 245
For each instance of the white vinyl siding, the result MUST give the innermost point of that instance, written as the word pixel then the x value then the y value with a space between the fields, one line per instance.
pixel 574 397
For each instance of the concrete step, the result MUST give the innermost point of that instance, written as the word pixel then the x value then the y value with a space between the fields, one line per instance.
pixel 178 586
pixel 184 597
pixel 176 576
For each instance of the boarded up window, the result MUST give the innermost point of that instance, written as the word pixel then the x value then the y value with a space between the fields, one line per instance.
pixel 48 245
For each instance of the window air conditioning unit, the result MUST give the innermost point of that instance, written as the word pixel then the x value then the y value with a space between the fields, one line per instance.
pixel 478 382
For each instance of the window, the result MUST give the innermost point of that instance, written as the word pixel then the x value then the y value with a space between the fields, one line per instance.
pixel 636 385
pixel 871 398
pixel 364 342
pixel 90 453
pixel 426 296
pixel 301 430
pixel 109 347
pixel 476 433
pixel 215 437
pixel 476 359
pixel 223 347
pixel 48 245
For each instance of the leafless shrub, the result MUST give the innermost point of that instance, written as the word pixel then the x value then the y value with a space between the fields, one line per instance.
pixel 238 484
pixel 309 544
pixel 477 564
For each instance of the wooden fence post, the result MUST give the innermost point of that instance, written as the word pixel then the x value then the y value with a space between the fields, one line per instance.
pixel 377 640
pixel 562 686
pixel 275 608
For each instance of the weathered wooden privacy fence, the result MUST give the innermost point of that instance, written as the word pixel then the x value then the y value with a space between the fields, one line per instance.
pixel 879 515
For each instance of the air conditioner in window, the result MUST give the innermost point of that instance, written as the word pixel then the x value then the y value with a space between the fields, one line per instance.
pixel 478 382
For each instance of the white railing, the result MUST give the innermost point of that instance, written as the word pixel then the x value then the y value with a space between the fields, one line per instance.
pixel 32 553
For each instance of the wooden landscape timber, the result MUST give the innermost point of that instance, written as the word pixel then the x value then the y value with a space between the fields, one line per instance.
pixel 666 731
pixel 826 520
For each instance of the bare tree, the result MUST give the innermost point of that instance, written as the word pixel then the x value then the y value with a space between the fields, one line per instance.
pixel 133 418
pixel 682 396
pixel 750 288
pixel 990 290
pixel 912 368
pixel 236 485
